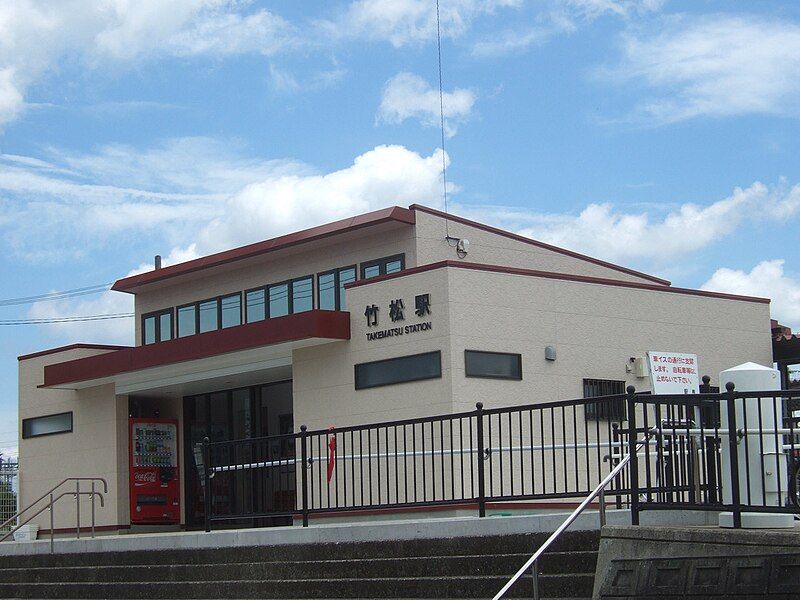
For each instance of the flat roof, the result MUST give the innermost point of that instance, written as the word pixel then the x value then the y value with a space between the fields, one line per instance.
pixel 386 215
pixel 395 214
pixel 553 275
pixel 70 347
pixel 323 324
pixel 533 242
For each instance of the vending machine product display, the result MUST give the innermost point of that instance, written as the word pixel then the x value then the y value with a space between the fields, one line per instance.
pixel 154 477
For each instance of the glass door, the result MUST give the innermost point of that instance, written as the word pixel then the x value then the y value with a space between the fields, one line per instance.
pixel 241 414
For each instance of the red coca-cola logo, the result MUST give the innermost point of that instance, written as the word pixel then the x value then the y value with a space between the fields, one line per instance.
pixel 145 476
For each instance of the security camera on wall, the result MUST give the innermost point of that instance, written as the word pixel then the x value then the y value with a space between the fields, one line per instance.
pixel 462 247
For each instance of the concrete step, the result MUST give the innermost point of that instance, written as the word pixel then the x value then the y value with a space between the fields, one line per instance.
pixel 551 586
pixel 507 544
pixel 579 561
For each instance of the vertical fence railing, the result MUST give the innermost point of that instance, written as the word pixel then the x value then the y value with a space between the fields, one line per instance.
pixel 9 491
pixel 733 451
pixel 535 453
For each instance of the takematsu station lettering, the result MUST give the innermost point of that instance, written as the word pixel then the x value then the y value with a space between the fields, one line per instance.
pixel 396 309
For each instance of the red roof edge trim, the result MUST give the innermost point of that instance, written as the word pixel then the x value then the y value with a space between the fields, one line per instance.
pixel 554 275
pixel 334 325
pixel 394 213
pixel 527 240
pixel 70 347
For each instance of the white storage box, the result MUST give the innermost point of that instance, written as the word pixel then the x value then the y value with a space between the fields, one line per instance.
pixel 26 533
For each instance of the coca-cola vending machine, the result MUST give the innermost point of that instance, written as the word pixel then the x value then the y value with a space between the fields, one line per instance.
pixel 155 482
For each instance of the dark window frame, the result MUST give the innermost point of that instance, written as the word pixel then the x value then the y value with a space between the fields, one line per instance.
pixel 28 436
pixel 288 284
pixel 381 264
pixel 196 307
pixel 156 314
pixel 615 411
pixel 219 315
pixel 261 288
pixel 291 292
pixel 336 284
pixel 503 377
pixel 437 353
pixel 242 295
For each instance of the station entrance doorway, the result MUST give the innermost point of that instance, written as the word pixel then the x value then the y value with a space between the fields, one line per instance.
pixel 241 414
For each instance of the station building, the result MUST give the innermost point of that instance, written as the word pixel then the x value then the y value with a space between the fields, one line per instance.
pixel 394 314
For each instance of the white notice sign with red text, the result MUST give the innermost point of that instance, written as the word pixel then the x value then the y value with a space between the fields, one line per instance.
pixel 673 372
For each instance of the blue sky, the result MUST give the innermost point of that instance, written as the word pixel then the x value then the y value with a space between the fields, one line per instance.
pixel 662 135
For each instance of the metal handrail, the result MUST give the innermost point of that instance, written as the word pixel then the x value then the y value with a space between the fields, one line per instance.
pixel 53 499
pixel 531 563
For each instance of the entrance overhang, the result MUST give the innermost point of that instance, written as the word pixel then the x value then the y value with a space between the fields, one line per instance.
pixel 253 348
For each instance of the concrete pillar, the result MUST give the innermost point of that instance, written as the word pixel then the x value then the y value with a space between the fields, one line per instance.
pixel 760 454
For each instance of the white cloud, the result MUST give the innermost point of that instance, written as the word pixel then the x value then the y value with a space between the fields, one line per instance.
pixel 402 22
pixel 715 66
pixel 237 200
pixel 554 17
pixel 191 189
pixel 110 331
pixel 600 230
pixel 767 279
pixel 408 96
pixel 284 81
pixel 593 9
pixel 512 41
pixel 35 35
pixel 386 175
pixel 11 100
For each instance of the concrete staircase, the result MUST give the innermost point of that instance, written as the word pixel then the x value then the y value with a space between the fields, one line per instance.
pixel 471 567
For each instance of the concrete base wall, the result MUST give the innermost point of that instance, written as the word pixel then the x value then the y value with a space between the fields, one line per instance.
pixel 374 529
pixel 644 562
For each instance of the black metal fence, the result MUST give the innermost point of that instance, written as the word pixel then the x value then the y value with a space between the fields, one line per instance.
pixel 730 451
pixel 540 452
pixel 9 482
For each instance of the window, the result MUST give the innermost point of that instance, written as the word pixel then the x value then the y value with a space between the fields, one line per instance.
pixel 209 317
pixel 165 327
pixel 279 300
pixel 326 290
pixel 47 425
pixel 187 320
pixel 255 305
pixel 611 409
pixel 157 327
pixel 330 288
pixel 383 266
pixel 346 276
pixel 493 365
pixel 398 370
pixel 149 330
pixel 231 310
pixel 302 295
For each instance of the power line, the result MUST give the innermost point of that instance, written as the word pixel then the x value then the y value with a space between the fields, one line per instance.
pixel 67 319
pixel 441 118
pixel 92 289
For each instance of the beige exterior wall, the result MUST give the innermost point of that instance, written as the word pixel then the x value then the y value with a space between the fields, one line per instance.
pixel 307 259
pixel 493 249
pixel 422 244
pixel 97 446
pixel 324 392
pixel 595 329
